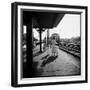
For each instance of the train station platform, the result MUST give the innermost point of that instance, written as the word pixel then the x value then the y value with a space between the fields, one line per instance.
pixel 65 64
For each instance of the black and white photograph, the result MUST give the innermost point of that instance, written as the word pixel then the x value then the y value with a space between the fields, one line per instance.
pixel 49 43
pixel 56 44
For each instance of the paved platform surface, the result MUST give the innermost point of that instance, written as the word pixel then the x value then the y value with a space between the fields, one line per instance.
pixel 64 64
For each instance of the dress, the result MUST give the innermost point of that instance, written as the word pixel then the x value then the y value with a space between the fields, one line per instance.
pixel 54 47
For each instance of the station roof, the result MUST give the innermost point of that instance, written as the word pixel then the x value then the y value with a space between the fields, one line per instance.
pixel 43 19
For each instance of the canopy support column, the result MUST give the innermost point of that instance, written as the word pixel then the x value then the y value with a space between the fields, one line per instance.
pixel 40 35
pixel 47 37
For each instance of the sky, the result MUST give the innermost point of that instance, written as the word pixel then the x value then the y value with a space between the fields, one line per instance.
pixel 68 27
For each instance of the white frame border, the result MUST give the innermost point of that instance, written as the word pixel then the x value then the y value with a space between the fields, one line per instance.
pixel 52 79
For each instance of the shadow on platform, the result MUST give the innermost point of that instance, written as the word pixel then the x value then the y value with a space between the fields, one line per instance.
pixel 45 57
pixel 49 60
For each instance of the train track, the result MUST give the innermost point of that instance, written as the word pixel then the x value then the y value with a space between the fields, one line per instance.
pixel 70 50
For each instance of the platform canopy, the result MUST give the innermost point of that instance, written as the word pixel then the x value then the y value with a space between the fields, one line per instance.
pixel 42 19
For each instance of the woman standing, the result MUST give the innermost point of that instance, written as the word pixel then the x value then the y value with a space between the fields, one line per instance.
pixel 54 48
